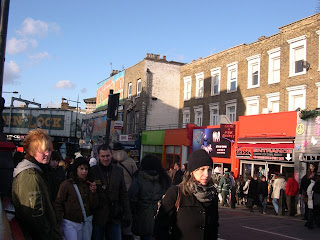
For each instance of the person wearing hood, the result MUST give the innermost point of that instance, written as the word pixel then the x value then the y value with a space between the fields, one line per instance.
pixel 128 164
pixel 68 208
pixel 30 190
pixel 147 188
pixel 190 210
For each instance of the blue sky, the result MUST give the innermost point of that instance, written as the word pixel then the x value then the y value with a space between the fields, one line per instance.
pixel 63 48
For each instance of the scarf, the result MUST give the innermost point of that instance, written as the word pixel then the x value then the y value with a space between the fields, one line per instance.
pixel 203 193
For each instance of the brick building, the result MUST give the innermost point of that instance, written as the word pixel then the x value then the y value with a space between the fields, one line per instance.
pixel 151 99
pixel 274 74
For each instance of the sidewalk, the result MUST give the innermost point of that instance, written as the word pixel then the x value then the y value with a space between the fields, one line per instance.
pixel 269 211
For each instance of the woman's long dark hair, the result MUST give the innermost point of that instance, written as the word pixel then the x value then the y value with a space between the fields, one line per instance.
pixel 151 162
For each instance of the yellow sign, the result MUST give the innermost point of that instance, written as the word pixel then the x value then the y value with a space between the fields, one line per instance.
pixel 300 129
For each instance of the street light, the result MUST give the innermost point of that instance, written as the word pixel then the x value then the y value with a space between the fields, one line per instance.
pixel 75 131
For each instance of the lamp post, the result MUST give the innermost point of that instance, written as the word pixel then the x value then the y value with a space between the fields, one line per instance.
pixel 75 131
pixel 14 92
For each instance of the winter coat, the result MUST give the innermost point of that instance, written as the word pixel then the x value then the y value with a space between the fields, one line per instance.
pixel 114 203
pixel 246 187
pixel 128 165
pixel 33 207
pixel 292 187
pixel 262 188
pixel 277 185
pixel 192 220
pixel 144 194
pixel 67 204
pixel 55 177
pixel 177 178
pixel 224 184
pixel 310 194
pixel 253 189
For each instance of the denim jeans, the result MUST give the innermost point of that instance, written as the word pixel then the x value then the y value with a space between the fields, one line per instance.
pixel 263 203
pixel 110 230
pixel 275 204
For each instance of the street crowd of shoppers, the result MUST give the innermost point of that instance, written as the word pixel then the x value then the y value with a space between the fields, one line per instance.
pixel 111 198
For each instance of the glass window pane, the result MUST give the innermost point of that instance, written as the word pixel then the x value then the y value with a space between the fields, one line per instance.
pixel 159 149
pixel 170 149
pixel 177 149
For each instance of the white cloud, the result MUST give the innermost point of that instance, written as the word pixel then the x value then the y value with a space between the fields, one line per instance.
pixel 31 27
pixel 52 105
pixel 15 46
pixel 64 84
pixel 84 90
pixel 11 72
pixel 38 57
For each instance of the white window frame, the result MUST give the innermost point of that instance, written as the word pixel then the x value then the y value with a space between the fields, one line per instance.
pixel 187 91
pixel 254 100
pixel 185 120
pixel 215 72
pixel 318 86
pixel 252 61
pixel 212 107
pixel 129 90
pixel 199 85
pixel 229 104
pixel 198 113
pixel 318 32
pixel 232 67
pixel 295 91
pixel 274 55
pixel 138 87
pixel 294 44
pixel 273 97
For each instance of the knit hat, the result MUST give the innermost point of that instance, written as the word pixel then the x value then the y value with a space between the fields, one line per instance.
pixel 199 158
pixel 78 162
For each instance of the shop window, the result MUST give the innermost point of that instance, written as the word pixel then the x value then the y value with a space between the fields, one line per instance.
pixel 259 170
pixel 172 156
pixel 246 170
pixel 274 66
pixel 272 170
pixel 287 170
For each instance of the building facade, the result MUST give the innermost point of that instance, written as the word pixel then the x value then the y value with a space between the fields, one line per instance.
pixel 274 74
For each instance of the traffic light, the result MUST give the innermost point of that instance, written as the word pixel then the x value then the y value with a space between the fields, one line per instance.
pixel 113 104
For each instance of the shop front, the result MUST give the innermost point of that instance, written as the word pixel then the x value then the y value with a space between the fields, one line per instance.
pixel 266 144
pixel 152 143
pixel 176 147
pixel 219 142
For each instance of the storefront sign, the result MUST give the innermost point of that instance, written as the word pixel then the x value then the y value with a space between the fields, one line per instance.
pixel 125 138
pixel 118 125
pixel 242 152
pixel 228 131
pixel 273 154
pixel 211 140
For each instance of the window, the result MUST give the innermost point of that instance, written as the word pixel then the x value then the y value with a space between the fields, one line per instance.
pixel 252 105
pixel 130 121
pixel 138 87
pixel 199 85
pixel 214 113
pixel 297 56
pixel 129 90
pixel 137 122
pixel 231 109
pixel 297 97
pixel 274 66
pixel 318 86
pixel 232 77
pixel 185 116
pixel 187 88
pixel 253 71
pixel 198 115
pixel 215 81
pixel 318 32
pixel 273 102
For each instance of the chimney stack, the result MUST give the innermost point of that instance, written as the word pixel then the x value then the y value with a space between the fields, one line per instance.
pixel 164 57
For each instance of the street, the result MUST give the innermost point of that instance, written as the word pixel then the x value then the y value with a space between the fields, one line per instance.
pixel 241 224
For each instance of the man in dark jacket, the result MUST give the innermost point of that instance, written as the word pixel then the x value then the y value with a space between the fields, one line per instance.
pixel 263 194
pixel 178 175
pixel 114 207
pixel 56 175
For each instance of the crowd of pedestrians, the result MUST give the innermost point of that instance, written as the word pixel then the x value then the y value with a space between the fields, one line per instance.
pixel 111 198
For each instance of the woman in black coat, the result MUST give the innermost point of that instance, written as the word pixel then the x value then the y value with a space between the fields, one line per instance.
pixel 190 210
pixel 146 190
pixel 253 193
